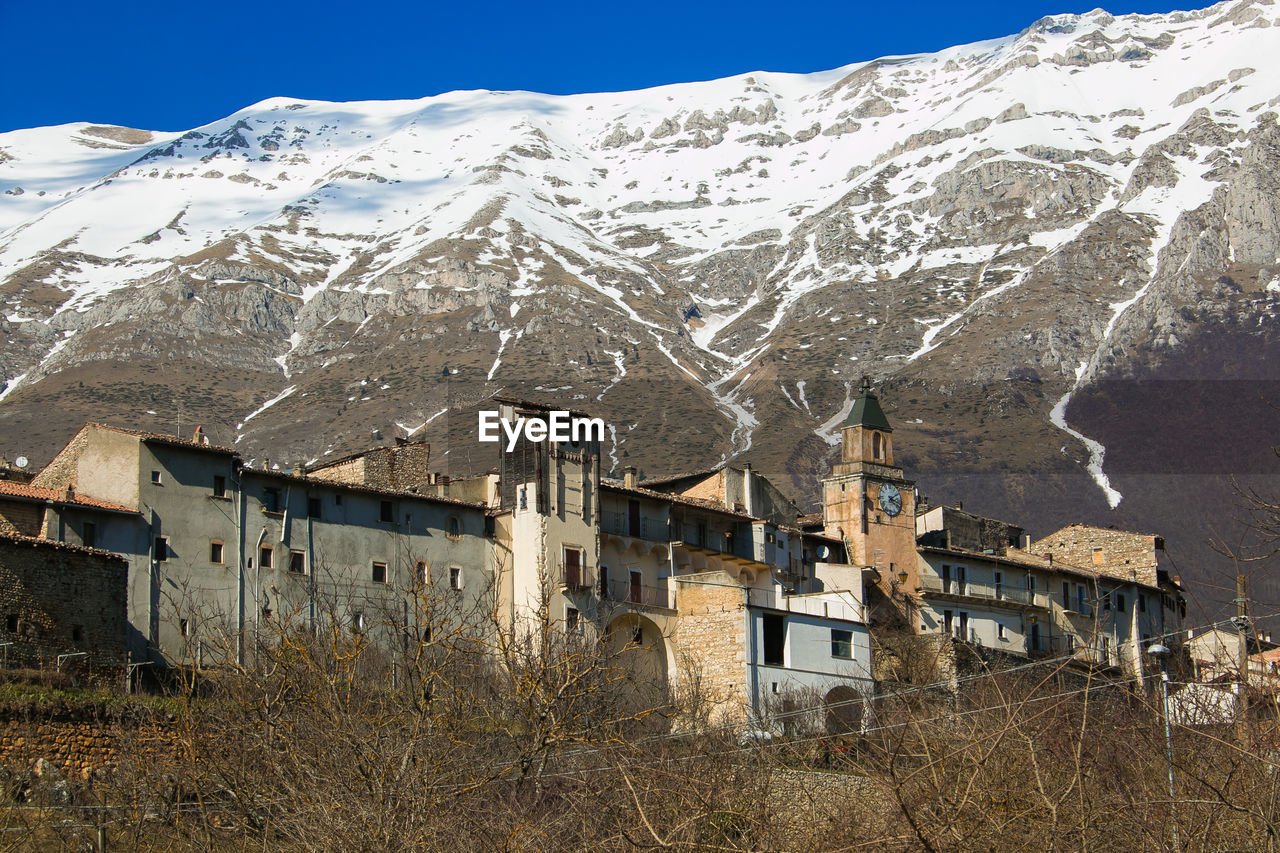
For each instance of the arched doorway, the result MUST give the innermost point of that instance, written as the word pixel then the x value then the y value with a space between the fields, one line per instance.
pixel 639 651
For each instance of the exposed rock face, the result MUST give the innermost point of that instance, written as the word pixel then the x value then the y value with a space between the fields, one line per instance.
pixel 996 231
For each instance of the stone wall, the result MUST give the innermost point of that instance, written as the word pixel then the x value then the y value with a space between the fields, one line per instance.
pixel 1115 553
pixel 80 744
pixel 402 467
pixel 21 517
pixel 710 642
pixel 57 599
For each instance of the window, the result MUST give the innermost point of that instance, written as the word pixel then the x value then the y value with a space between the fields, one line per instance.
pixel 946 578
pixel 162 548
pixel 337 500
pixel 298 562
pixel 1001 633
pixel 77 633
pixel 184 627
pixel 357 622
pixel 775 638
pixel 422 572
pixel 1119 603
pixel 1106 601
pixel 999 585
pixel 1142 604
pixel 1097 556
pixel 962 633
pixel 219 486
pixel 385 512
pixel 634 590
pixel 455 578
pixel 1071 643
pixel 604 581
pixel 270 500
pixel 89 534
pixel 637 637
pixel 961 587
pixel 841 644
pixel 155 477
pixel 454 528
pixel 948 624
pixel 11 623
pixel 1066 596
pixel 769 538
pixel 877 445
pixel 265 557
pixel 215 551
pixel 313 507
pixel 524 497
pixel 571 619
pixel 379 572
pixel 1031 584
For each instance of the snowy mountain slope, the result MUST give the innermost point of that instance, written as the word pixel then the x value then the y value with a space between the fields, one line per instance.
pixel 993 229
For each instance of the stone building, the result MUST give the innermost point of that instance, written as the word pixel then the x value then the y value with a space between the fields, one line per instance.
pixel 1087 594
pixel 219 551
pixel 59 599
pixel 689 578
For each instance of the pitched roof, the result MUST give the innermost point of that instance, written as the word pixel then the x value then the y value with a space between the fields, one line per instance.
pixel 684 475
pixel 60 496
pixel 170 440
pixel 698 503
pixel 866 410
pixel 38 542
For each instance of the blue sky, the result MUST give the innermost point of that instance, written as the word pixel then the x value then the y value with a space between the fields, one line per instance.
pixel 177 65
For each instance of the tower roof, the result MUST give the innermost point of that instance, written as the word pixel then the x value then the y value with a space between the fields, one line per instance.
pixel 866 411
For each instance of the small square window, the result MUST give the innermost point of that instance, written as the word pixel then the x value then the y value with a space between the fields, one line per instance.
pixel 454 528
pixel 337 500
pixel 219 486
pixel 162 548
pixel 266 557
pixel 298 562
pixel 379 572
pixel 386 513
pixel 155 477
pixel 1000 631
pixel 313 507
pixel 270 500
pixel 455 578
pixel 215 552
pixel 841 644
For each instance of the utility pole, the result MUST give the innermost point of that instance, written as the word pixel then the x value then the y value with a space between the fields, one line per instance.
pixel 1241 623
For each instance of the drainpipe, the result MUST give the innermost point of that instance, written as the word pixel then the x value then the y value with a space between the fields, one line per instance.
pixel 257 580
pixel 237 507
pixel 752 661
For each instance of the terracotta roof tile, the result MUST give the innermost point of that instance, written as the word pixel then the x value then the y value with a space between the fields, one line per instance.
pixel 23 490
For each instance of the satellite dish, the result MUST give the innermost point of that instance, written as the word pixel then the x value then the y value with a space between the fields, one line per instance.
pixel 823 552
pixel 21 462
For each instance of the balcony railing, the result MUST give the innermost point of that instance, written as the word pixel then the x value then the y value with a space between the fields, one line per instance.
pixel 983 592
pixel 576 576
pixel 809 605
pixel 646 596
pixel 620 523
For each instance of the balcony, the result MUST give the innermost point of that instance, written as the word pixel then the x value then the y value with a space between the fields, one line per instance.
pixel 968 591
pixel 624 592
pixel 621 523
pixel 576 575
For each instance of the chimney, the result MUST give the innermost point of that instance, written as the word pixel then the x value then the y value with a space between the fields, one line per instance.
pixel 748 490
pixel 1026 541
pixel 629 478
pixel 70 494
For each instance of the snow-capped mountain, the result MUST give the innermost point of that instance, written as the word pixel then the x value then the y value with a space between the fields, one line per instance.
pixel 995 231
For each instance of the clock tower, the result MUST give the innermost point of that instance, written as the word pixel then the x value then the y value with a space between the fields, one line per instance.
pixel 867 502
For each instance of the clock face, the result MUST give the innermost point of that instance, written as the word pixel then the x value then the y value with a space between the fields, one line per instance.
pixel 890 499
